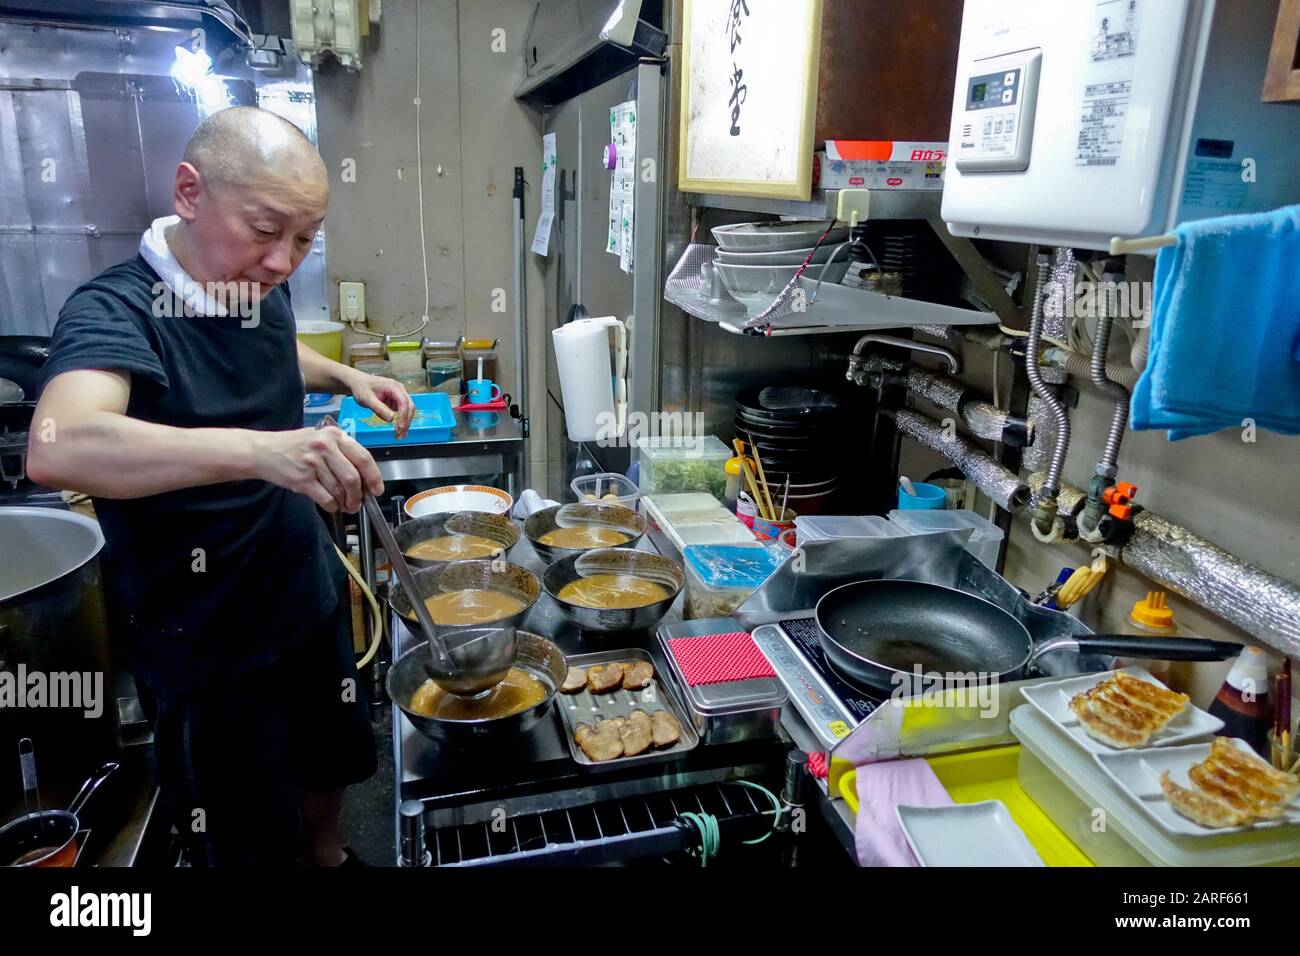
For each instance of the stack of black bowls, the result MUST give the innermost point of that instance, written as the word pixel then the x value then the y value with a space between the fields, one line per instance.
pixel 798 432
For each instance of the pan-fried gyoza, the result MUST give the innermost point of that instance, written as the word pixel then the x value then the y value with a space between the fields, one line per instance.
pixel 1231 788
pixel 1124 711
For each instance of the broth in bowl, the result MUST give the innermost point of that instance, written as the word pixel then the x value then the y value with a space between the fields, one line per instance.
pixel 612 591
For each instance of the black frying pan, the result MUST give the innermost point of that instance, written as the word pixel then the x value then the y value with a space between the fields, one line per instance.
pixel 874 631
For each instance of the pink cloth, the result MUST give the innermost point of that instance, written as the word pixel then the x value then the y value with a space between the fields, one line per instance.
pixel 882 787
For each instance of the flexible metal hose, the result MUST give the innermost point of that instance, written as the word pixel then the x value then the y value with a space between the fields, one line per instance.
pixel 1057 408
pixel 1106 465
pixel 1080 366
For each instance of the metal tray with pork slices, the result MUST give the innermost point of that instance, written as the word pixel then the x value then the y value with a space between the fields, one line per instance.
pixel 586 707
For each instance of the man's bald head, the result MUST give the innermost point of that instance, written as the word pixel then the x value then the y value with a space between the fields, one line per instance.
pixel 243 146
pixel 251 193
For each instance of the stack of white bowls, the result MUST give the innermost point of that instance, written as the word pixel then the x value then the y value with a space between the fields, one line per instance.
pixel 756 260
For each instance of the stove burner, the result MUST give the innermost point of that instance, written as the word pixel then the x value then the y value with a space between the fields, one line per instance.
pixel 803 633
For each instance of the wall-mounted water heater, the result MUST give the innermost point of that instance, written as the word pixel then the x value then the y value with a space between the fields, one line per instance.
pixel 1075 121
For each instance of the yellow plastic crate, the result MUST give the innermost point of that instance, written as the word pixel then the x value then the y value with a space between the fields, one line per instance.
pixel 976 775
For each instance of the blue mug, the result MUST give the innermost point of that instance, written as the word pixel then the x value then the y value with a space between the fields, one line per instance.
pixel 482 391
pixel 927 498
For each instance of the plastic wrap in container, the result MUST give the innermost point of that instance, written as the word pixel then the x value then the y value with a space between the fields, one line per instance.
pixel 696 518
pixel 985 539
pixel 670 465
pixel 720 577
pixel 827 527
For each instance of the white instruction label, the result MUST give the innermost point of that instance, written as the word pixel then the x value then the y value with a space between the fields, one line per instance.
pixel 1108 83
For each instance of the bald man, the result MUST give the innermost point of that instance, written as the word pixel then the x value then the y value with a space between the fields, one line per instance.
pixel 173 396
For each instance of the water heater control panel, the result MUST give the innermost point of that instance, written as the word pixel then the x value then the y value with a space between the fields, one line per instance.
pixel 996 128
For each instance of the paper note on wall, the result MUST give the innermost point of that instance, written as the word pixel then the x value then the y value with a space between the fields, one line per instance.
pixel 542 235
pixel 620 160
pixel 625 238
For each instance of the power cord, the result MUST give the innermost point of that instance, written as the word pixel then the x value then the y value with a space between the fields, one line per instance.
pixel 706 825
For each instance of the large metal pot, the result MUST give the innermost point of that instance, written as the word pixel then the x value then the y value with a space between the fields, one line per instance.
pixel 534 654
pixel 53 630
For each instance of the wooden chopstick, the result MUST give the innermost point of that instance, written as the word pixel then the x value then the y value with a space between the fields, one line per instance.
pixel 767 492
pixel 749 476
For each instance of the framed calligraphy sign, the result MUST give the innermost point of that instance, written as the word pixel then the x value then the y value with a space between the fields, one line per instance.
pixel 749 96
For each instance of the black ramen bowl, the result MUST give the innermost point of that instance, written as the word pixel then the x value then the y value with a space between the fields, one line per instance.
pixel 628 561
pixel 533 654
pixel 576 515
pixel 498 529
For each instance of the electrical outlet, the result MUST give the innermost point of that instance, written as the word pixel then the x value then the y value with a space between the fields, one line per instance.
pixel 852 205
pixel 352 302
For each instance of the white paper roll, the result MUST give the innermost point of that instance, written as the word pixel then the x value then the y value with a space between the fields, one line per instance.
pixel 586 379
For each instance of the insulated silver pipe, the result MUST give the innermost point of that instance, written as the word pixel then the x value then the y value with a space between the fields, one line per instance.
pixel 1001 485
pixel 1261 604
pixel 982 419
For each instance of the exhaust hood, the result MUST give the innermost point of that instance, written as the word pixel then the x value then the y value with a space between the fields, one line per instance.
pixel 574 45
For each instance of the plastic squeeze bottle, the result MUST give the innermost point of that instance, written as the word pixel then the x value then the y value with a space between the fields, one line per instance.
pixel 1242 701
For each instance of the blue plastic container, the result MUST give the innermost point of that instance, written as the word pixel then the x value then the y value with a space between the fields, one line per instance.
pixel 433 422
pixel 927 498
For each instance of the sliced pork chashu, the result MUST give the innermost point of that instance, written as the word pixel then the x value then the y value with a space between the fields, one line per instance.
pixel 637 733
pixel 638 675
pixel 665 728
pixel 602 679
pixel 602 742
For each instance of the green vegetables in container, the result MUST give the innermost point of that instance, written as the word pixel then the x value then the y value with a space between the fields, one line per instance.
pixel 670 465
pixel 690 476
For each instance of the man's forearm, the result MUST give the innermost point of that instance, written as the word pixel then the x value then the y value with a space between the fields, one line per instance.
pixel 109 455
pixel 325 375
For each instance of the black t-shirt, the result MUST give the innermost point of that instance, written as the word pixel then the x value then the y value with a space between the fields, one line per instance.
pixel 201 583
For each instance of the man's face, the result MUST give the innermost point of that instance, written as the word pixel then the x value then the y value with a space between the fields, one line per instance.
pixel 258 232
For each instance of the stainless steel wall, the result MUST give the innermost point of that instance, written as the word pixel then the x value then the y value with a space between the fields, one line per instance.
pixel 91 128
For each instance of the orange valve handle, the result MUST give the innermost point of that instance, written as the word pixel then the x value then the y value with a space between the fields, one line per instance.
pixel 1120 497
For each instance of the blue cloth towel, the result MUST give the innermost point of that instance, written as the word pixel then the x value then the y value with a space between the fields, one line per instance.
pixel 1225 328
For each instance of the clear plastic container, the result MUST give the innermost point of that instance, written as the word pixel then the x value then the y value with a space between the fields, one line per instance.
pixel 606 486
pixel 1071 787
pixel 720 576
pixel 825 527
pixel 696 518
pixel 985 539
pixel 672 465
pixel 407 359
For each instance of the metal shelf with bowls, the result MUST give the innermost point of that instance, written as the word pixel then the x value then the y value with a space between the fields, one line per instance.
pixel 881 204
pixel 696 286
pixel 834 308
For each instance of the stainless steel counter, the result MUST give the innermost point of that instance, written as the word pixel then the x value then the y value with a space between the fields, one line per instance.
pixel 535 774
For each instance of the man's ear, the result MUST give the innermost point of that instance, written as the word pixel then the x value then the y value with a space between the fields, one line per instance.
pixel 189 189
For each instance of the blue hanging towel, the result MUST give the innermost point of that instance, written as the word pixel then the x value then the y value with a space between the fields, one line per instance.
pixel 1225 328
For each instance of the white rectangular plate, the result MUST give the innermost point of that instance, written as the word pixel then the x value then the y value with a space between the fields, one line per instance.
pixel 1138 773
pixel 1053 700
pixel 966 834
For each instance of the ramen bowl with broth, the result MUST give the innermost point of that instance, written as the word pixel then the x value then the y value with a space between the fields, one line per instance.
pixel 532 684
pixel 464 536
pixel 465 594
pixel 609 590
pixel 565 530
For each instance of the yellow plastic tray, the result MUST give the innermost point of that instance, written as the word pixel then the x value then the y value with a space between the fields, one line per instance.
pixel 990 774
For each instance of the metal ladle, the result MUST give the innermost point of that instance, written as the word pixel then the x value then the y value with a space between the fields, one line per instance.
pixel 474 667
